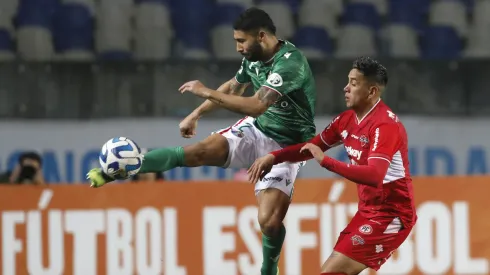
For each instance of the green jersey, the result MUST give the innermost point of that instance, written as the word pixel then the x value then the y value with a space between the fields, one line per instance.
pixel 291 119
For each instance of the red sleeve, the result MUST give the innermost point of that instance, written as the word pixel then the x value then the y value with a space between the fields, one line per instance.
pixel 292 154
pixel 327 139
pixel 371 174
pixel 384 143
pixel 331 134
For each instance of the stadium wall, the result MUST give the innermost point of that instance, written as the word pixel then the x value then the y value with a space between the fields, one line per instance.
pixel 438 146
pixel 210 228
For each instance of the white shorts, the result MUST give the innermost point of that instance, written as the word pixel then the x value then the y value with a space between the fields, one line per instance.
pixel 247 143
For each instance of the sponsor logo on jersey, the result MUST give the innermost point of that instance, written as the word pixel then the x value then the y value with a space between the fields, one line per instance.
pixel 272 179
pixel 376 139
pixel 356 154
pixel 275 80
pixel 357 240
pixel 344 134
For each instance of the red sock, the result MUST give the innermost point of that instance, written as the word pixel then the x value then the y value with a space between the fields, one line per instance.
pixel 333 274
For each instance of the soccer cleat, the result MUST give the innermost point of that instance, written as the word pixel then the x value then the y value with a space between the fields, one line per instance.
pixel 98 178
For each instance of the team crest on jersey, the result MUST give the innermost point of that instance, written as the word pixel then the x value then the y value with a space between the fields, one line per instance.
pixel 238 133
pixel 364 141
pixel 366 229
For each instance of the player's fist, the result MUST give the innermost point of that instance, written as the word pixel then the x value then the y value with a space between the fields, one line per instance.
pixel 188 127
pixel 314 150
pixel 261 167
pixel 195 87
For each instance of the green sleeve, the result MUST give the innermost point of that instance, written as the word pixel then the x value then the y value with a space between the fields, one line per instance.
pixel 242 75
pixel 288 74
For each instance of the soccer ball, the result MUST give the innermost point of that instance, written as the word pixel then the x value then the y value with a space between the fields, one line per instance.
pixel 120 158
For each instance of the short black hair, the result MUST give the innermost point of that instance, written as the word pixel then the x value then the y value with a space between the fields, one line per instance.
pixel 372 70
pixel 30 155
pixel 254 19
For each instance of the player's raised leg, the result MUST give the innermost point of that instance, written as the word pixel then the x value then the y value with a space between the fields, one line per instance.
pixel 273 206
pixel 212 151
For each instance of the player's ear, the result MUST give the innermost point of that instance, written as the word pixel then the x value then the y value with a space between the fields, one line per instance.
pixel 373 91
pixel 261 35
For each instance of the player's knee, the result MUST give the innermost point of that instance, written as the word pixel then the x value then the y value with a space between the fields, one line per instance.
pixel 270 224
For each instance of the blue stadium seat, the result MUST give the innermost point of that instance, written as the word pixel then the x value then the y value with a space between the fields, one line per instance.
pixel 294 4
pixel 226 13
pixel 406 13
pixel 314 38
pixel 441 43
pixel 362 14
pixel 163 2
pixel 192 20
pixel 36 13
pixel 6 43
pixel 73 28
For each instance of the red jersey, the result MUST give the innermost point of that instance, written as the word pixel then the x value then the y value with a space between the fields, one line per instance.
pixel 379 134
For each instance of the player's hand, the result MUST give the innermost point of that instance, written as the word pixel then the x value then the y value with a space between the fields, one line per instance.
pixel 188 126
pixel 261 167
pixel 195 87
pixel 314 150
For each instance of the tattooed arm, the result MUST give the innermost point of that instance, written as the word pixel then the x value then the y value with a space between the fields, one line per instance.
pixel 252 106
pixel 231 87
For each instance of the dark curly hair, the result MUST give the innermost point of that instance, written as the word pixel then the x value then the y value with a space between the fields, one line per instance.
pixel 254 19
pixel 372 70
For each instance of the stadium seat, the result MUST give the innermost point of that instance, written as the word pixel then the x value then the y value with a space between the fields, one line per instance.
pixel 6 42
pixel 478 43
pixel 224 47
pixel 354 41
pixel 243 3
pixel 318 14
pixel 381 5
pixel 114 32
pixel 314 42
pixel 481 18
pixel 406 13
pixel 293 4
pixel 441 43
pixel 192 23
pixel 89 4
pixel 400 41
pixel 73 28
pixel 450 13
pixel 195 44
pixel 35 43
pixel 363 14
pixel 36 13
pixel 6 22
pixel 153 31
pixel 9 7
pixel 282 15
pixel 152 44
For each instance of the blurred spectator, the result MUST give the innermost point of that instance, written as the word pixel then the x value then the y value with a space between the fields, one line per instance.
pixel 27 171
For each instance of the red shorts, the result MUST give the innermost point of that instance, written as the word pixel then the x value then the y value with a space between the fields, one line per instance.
pixel 371 241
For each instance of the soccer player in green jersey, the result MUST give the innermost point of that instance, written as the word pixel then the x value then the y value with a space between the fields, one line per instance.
pixel 279 114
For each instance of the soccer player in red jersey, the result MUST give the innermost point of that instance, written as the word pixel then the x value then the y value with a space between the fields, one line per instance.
pixel 376 142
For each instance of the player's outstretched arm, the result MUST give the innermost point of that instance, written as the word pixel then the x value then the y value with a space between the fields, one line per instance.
pixel 230 87
pixel 292 153
pixel 252 106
